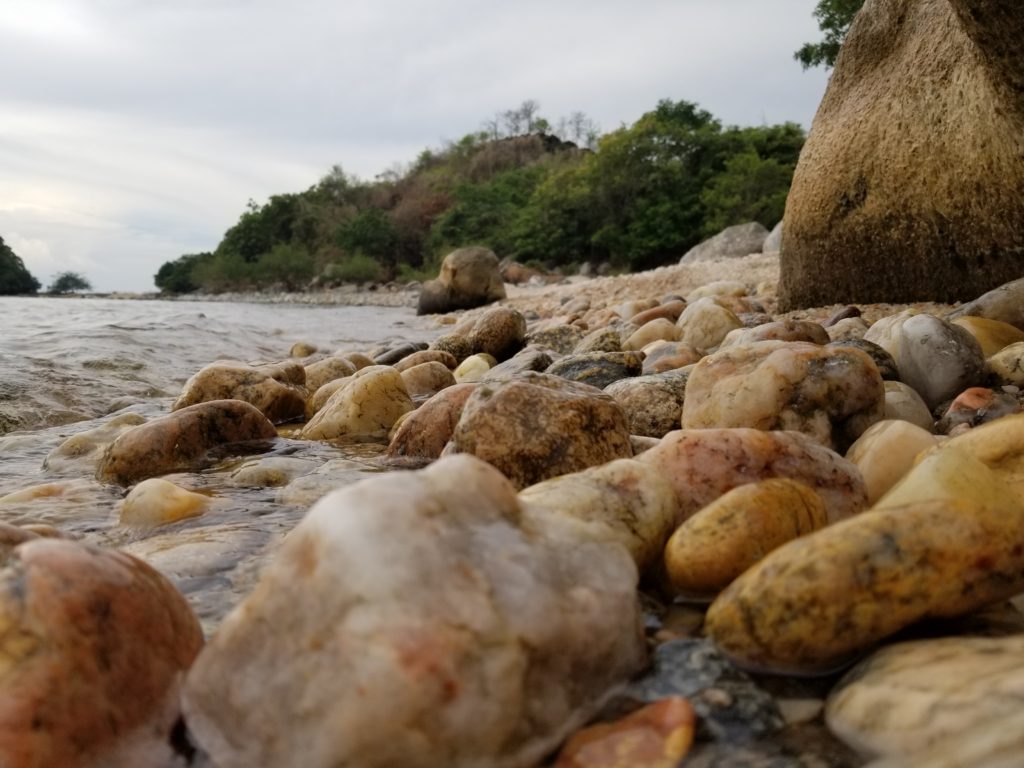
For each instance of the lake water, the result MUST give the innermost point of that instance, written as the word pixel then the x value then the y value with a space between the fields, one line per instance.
pixel 70 365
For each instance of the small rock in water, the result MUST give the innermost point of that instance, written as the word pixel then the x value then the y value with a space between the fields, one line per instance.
pixel 408 620
pixel 156 502
pixel 328 369
pixel 96 644
pixel 187 439
pixel 656 736
pixel 278 391
pixel 85 450
pixel 302 349
pixel 362 410
pixel 540 426
pixel 830 394
pixel 703 464
pixel 711 549
pixel 271 471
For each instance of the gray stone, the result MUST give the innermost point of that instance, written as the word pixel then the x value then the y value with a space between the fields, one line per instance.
pixel 732 242
pixel 773 243
pixel 598 369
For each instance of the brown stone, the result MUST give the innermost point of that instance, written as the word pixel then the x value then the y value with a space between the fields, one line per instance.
pixel 909 185
pixel 541 426
pixel 425 432
pixel 183 440
pixel 278 391
pixel 95 644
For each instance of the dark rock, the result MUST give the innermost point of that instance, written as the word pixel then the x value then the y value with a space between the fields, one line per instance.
pixel 562 339
pixel 469 278
pixel 393 355
pixel 883 360
pixel 598 369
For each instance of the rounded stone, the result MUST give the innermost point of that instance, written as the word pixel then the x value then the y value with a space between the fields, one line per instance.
pixel 652 404
pixel 499 332
pixel 156 502
pixel 278 391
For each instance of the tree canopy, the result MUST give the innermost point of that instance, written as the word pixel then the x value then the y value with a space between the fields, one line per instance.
pixel 14 276
pixel 69 282
pixel 834 18
pixel 549 192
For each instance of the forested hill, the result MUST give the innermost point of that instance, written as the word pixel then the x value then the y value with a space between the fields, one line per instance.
pixel 637 197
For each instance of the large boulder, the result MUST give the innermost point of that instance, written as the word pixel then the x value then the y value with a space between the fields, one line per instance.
pixel 909 185
pixel 469 278
pixel 415 619
pixel 731 243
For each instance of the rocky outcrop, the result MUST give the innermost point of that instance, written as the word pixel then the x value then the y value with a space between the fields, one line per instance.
pixel 469 278
pixel 909 186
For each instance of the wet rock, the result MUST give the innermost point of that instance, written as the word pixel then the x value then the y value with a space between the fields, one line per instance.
pixel 396 354
pixel 703 464
pixel 469 278
pixel 623 501
pixel 358 359
pixel 942 542
pixel 729 705
pixel 732 242
pixel 156 502
pixel 271 471
pixel 601 340
pixel 883 360
pixel 1005 304
pixel 474 368
pixel 1007 365
pixel 991 335
pixel 188 439
pixel 362 410
pixel 455 345
pixel 500 333
pixel 778 330
pixel 427 430
pixel 306 490
pixel 447 359
pixel 320 397
pixel 278 391
pixel 540 426
pixel 656 736
pixel 562 339
pixel 85 450
pixel 328 369
pixel 831 394
pixel 910 697
pixel 302 349
pixel 427 379
pixel 704 323
pixel 652 404
pixel 660 329
pixel 938 359
pixel 524 361
pixel 488 645
pixel 598 369
pixel 903 402
pixel 96 643
pixel 670 357
pixel 977 405
pixel 886 452
pixel 722 540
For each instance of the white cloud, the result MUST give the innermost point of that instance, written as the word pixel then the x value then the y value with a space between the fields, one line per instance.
pixel 135 131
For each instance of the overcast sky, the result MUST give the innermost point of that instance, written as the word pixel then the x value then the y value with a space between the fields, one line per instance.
pixel 133 131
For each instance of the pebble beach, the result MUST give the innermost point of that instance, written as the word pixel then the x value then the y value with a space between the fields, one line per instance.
pixel 640 520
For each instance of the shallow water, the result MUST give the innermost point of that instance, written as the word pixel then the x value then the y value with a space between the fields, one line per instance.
pixel 70 365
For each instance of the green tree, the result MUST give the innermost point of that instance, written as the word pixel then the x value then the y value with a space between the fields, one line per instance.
pixel 14 276
pixel 834 18
pixel 176 276
pixel 750 188
pixel 69 282
pixel 369 232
